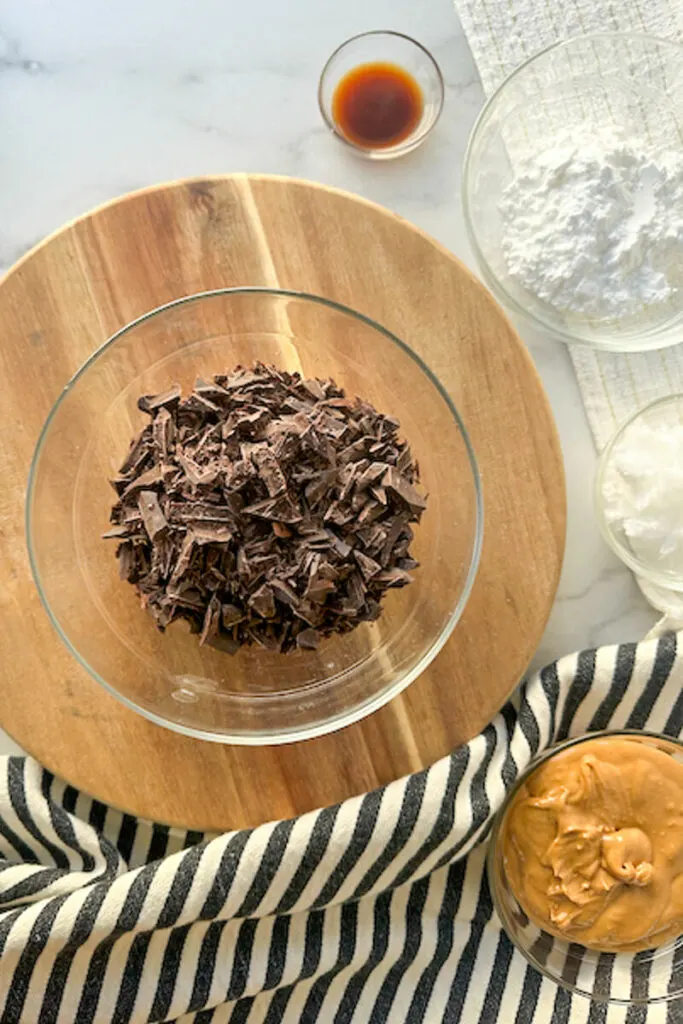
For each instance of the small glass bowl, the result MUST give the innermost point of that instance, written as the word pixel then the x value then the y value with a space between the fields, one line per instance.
pixel 392 48
pixel 254 697
pixel 662 586
pixel 623 979
pixel 623 81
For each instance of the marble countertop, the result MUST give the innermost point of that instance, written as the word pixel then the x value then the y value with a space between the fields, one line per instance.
pixel 99 99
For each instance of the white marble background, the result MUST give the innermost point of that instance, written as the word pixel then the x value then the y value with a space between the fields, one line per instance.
pixel 100 97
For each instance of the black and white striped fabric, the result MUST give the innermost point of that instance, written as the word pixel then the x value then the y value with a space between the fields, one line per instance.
pixel 376 910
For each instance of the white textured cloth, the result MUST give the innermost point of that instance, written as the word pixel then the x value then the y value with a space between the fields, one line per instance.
pixel 504 33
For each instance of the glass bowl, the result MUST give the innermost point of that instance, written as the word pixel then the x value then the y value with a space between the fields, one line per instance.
pixel 255 696
pixel 659 576
pixel 650 976
pixel 624 82
pixel 390 48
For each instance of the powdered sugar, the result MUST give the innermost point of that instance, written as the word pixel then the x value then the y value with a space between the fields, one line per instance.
pixel 594 225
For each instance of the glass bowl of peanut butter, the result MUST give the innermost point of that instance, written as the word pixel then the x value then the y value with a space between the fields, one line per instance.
pixel 585 866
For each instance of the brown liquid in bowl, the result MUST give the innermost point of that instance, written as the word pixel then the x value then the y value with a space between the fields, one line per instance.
pixel 377 105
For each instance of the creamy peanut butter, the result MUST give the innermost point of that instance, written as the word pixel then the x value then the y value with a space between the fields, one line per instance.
pixel 592 844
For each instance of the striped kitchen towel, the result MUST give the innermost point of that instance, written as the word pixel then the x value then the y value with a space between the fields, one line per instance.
pixel 376 910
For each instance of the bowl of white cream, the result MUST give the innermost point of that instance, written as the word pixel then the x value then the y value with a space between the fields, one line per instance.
pixel 573 191
pixel 639 500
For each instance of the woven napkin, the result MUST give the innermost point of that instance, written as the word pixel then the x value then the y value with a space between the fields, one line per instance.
pixel 375 911
pixel 504 33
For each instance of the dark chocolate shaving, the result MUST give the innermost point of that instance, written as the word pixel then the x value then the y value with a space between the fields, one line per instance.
pixel 308 639
pixel 396 483
pixel 169 399
pixel 264 508
pixel 153 518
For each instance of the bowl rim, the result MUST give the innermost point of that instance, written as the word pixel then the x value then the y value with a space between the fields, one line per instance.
pixel 491 856
pixel 618 343
pixel 667 581
pixel 416 138
pixel 363 708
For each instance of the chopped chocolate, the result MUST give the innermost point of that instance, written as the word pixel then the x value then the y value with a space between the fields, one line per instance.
pixel 144 481
pixel 116 531
pixel 152 516
pixel 395 482
pixel 163 430
pixel 263 601
pixel 169 399
pixel 127 560
pixel 368 566
pixel 318 589
pixel 314 388
pixel 232 615
pixel 198 512
pixel 269 470
pixel 394 578
pixel 308 639
pixel 281 509
pixel 265 508
pixel 209 534
pixel 212 621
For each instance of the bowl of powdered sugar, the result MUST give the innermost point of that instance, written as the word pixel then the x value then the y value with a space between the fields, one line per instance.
pixel 573 191
pixel 639 500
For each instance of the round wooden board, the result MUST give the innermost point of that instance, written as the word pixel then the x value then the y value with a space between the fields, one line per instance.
pixel 78 287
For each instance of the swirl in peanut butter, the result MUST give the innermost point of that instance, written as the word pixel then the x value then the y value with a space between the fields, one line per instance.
pixel 593 844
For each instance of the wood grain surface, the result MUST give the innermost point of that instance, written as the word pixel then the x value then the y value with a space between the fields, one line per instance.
pixel 95 275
